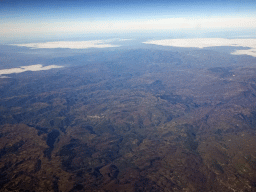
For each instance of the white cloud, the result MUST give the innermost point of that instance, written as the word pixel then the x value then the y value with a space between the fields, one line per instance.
pixel 251 52
pixel 191 23
pixel 2 77
pixel 99 26
pixel 37 67
pixel 210 42
pixel 160 24
pixel 68 44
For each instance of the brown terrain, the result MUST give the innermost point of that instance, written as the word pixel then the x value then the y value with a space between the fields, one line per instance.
pixel 145 120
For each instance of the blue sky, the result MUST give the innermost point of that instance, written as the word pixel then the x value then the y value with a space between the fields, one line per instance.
pixel 25 18
pixel 110 9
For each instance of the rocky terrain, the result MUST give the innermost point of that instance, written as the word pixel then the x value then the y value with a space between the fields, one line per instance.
pixel 141 120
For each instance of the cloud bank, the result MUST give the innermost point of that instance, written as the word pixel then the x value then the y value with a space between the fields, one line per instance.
pixel 102 26
pixel 22 69
pixel 68 45
pixel 210 42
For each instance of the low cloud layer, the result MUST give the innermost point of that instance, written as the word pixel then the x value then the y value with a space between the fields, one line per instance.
pixel 11 29
pixel 210 42
pixel 69 45
pixel 37 67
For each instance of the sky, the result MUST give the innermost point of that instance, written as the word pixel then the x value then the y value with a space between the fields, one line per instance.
pixel 42 18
